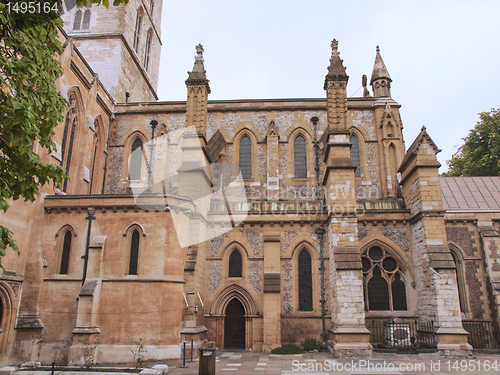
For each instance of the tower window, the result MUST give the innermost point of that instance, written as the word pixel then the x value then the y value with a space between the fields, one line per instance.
pixel 151 7
pixel 134 253
pixel 86 20
pixel 300 157
pixel 385 288
pixel 246 157
pixel 355 159
pixel 65 253
pixel 305 282
pixel 148 48
pixel 136 160
pixel 235 264
pixel 78 20
pixel 137 32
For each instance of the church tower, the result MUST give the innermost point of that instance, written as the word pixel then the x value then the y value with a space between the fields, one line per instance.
pixel 121 43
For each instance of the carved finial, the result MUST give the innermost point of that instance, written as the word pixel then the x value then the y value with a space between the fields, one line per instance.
pixel 199 52
pixel 335 47
pixel 378 49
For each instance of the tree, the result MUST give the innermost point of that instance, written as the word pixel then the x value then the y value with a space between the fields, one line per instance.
pixel 480 154
pixel 30 107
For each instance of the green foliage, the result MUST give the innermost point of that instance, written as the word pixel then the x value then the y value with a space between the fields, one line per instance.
pixel 480 154
pixel 139 352
pixel 311 344
pixel 30 107
pixel 103 2
pixel 287 349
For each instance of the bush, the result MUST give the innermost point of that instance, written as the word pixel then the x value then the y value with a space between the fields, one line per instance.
pixel 311 344
pixel 287 349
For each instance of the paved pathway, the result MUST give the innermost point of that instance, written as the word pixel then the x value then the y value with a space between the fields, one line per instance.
pixel 249 363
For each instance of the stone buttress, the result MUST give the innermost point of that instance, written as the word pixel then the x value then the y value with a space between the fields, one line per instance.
pixel 348 335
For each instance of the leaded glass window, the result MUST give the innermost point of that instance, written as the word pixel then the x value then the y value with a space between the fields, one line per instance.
pixel 65 253
pixel 355 155
pixel 385 288
pixel 305 281
pixel 300 158
pixel 134 253
pixel 235 264
pixel 246 157
pixel 136 160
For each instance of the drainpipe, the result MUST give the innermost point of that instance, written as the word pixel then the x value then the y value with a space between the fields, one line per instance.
pixel 90 217
pixel 106 158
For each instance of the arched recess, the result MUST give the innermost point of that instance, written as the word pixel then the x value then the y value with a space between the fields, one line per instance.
pixel 128 144
pixel 246 132
pixel 98 157
pixel 219 304
pixel 7 317
pixel 134 247
pixel 70 143
pixel 384 268
pixel 301 275
pixel 309 140
pixel 361 137
pixel 65 257
pixel 458 258
pixel 138 28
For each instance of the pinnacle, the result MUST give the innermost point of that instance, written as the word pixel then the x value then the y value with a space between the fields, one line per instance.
pixel 336 70
pixel 379 69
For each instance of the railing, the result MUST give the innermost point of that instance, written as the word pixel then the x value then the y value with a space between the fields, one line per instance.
pixel 481 335
pixel 403 335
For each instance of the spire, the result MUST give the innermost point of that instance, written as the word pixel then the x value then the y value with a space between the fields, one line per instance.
pixel 336 71
pixel 381 80
pixel 199 75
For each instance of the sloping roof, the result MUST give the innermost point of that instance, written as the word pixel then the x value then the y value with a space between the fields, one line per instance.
pixel 471 193
pixel 422 136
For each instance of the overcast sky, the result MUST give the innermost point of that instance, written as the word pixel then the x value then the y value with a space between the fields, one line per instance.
pixel 443 56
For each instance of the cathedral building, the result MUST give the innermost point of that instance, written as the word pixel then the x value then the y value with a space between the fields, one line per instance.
pixel 329 221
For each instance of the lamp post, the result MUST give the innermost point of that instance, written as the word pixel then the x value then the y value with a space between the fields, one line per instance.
pixel 320 232
pixel 151 147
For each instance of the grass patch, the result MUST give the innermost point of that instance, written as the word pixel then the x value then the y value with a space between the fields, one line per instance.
pixel 287 349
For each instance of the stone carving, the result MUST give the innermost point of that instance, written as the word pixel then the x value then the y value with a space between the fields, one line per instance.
pixel 215 275
pixel 289 234
pixel 253 237
pixel 287 285
pixel 255 276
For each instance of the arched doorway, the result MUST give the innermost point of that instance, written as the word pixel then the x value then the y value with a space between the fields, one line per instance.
pixel 234 325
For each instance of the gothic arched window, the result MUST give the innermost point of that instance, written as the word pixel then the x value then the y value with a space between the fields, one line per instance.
pixel 300 157
pixel 135 160
pixel 235 264
pixel 148 49
pixel 134 253
pixel 78 20
pixel 246 157
pixel 385 288
pixel 86 20
pixel 305 281
pixel 355 159
pixel 137 32
pixel 151 7
pixel 65 253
